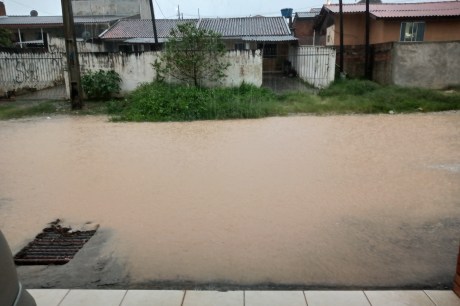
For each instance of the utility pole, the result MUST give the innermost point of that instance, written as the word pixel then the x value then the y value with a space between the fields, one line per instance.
pixel 341 38
pixel 155 35
pixel 367 51
pixel 73 65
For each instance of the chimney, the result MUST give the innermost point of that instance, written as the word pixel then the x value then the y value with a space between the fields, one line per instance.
pixel 2 9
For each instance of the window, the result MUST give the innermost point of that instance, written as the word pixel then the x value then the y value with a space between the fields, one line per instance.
pixel 412 31
pixel 240 46
pixel 269 50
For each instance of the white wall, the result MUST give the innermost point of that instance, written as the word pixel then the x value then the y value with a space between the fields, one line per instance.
pixel 314 65
pixel 29 70
pixel 56 44
pixel 136 68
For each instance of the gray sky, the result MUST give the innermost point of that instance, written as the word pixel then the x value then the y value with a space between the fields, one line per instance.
pixel 168 8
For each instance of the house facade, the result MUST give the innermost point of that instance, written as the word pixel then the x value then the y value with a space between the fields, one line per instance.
pixel 303 27
pixel 270 34
pixel 36 31
pixel 391 22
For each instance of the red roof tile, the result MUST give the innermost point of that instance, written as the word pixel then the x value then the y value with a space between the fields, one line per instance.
pixel 397 10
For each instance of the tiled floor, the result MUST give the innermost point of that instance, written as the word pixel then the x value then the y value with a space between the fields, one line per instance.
pixel 62 297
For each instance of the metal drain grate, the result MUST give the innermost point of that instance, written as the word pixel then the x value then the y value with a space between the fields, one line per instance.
pixel 56 245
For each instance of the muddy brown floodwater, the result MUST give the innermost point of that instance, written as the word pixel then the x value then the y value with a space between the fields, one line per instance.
pixel 314 202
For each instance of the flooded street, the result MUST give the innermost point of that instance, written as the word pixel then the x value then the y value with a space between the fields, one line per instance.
pixel 337 201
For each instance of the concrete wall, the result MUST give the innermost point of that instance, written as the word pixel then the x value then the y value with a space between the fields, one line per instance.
pixel 431 65
pixel 136 68
pixel 111 7
pixel 314 65
pixel 56 44
pixel 28 70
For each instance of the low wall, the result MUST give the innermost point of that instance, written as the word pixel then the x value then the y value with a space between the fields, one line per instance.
pixel 431 65
pixel 136 68
pixel 29 70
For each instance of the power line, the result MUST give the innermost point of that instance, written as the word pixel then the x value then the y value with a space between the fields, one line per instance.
pixel 161 11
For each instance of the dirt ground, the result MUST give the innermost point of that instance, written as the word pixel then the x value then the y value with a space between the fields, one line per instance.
pixel 295 202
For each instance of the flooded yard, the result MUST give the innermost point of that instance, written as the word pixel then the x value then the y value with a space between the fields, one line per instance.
pixel 336 201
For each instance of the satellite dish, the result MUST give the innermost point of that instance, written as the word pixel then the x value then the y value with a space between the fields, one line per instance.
pixel 86 35
pixel 33 13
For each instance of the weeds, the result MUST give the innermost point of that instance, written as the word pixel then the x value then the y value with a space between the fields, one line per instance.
pixel 162 102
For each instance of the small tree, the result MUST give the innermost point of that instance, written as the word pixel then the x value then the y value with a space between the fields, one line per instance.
pixel 192 55
pixel 5 38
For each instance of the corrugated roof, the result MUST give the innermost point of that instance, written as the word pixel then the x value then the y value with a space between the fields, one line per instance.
pixel 311 14
pixel 397 10
pixel 269 38
pixel 253 26
pixel 249 29
pixel 132 28
pixel 52 20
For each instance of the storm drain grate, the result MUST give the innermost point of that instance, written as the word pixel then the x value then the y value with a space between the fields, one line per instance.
pixel 56 245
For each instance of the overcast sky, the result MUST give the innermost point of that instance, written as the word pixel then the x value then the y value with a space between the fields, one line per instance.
pixel 168 8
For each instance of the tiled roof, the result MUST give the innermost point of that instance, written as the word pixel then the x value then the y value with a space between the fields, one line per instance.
pixel 132 28
pixel 252 26
pixel 52 20
pixel 396 10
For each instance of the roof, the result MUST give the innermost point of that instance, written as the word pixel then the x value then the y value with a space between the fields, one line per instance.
pixel 248 29
pixel 311 14
pixel 52 20
pixel 253 26
pixel 142 28
pixel 398 10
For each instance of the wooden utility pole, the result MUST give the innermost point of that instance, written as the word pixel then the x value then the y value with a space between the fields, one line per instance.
pixel 367 71
pixel 73 65
pixel 154 25
pixel 341 37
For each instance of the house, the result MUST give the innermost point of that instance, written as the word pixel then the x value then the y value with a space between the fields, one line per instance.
pixel 36 31
pixel 271 34
pixel 391 22
pixel 303 27
pixel 134 35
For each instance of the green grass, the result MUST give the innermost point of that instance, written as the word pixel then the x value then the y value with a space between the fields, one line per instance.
pixel 161 102
pixel 16 109
pixel 10 111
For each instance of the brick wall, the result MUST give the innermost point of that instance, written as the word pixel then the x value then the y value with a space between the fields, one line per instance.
pixel 2 9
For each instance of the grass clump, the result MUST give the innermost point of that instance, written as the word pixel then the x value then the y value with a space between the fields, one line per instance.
pixel 159 101
pixel 13 111
pixel 358 96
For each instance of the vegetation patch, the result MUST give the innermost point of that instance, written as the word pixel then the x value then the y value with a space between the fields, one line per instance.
pixel 101 85
pixel 159 101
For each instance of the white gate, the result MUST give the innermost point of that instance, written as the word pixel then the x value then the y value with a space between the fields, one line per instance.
pixel 314 65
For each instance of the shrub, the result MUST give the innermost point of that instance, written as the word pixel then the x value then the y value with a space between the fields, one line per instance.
pixel 158 101
pixel 101 84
